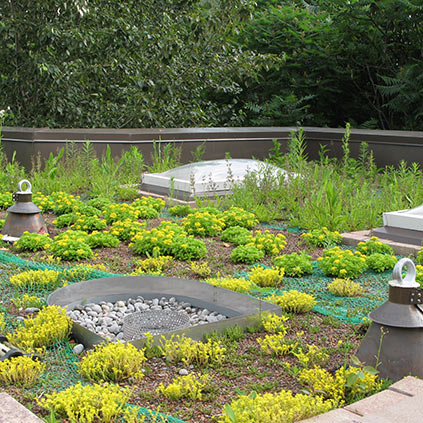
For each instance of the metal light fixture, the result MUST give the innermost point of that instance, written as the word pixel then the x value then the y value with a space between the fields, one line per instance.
pixel 23 216
pixel 394 341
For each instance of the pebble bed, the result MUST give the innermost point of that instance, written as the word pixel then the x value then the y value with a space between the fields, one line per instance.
pixel 105 318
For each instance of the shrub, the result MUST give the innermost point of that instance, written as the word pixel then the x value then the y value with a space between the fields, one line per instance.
pixel 38 279
pixel 89 224
pixel 203 224
pixel 322 237
pixel 33 242
pixel 266 277
pixel 248 254
pixel 373 245
pixel 293 301
pixel 342 263
pixel 294 264
pixel 234 284
pixel 89 404
pixel 179 348
pixel 380 262
pixel 274 407
pixel 189 386
pixel 126 229
pixel 112 363
pixel 186 248
pixel 26 301
pixel 102 240
pixel 51 325
pixel 236 235
pixel 237 216
pixel 345 288
pixel 21 371
pixel 268 243
pixel 180 210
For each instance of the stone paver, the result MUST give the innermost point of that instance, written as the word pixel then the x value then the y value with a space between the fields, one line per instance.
pixel 409 385
pixel 11 411
pixel 375 402
pixel 409 410
pixel 335 416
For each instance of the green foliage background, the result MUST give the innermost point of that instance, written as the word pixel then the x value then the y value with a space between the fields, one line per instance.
pixel 169 63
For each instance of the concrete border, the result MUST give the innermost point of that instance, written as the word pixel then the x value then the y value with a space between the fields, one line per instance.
pixel 241 309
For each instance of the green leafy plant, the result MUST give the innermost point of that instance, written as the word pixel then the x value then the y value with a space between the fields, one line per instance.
pixel 381 262
pixel 71 245
pixel 186 248
pixel 126 229
pixel 123 211
pixel 373 245
pixel 237 235
pixel 5 200
pixel 234 284
pixel 267 242
pixel 190 386
pixel 294 264
pixel 149 202
pixel 33 242
pixel 321 237
pixel 180 210
pixel 66 220
pixel 342 263
pixel 26 301
pixel 89 224
pixel 201 269
pixel 203 223
pixel 248 254
pixel 102 239
pixel 237 216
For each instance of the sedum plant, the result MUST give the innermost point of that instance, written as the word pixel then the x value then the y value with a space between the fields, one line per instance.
pixel 203 223
pixel 272 323
pixel 201 269
pixel 2 323
pixel 6 200
pixel 66 220
pixel 190 387
pixel 294 264
pixel 71 245
pixel 155 203
pixel 102 240
pixel 381 262
pixel 234 284
pixel 89 223
pixel 187 248
pixel 154 264
pixel 123 211
pixel 26 301
pixel 237 216
pixel 373 245
pixel 179 348
pixel 39 279
pixel 248 254
pixel 342 263
pixel 180 210
pixel 50 326
pixel 267 242
pixel 345 288
pixel 89 404
pixel 293 301
pixel 237 235
pixel 265 277
pixel 322 237
pixel 33 242
pixel 113 363
pixel 21 371
pixel 126 229
pixel 282 406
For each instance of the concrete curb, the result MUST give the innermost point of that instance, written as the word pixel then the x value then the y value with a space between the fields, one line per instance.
pixel 14 412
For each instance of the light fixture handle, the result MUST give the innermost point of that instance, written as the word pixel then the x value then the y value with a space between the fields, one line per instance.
pixel 409 281
pixel 28 186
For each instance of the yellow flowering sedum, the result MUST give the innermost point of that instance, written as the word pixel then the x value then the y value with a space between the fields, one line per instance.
pixel 234 284
pixel 345 288
pixel 266 277
pixel 293 301
pixel 282 407
pixel 273 323
pixel 51 325
pixel 190 386
pixel 40 279
pixel 21 371
pixel 88 404
pixel 113 363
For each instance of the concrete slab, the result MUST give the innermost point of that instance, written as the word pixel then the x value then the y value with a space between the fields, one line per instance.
pixel 408 386
pixel 14 412
pixel 353 238
pixel 335 416
pixel 409 410
pixel 375 402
